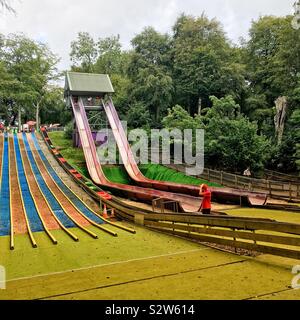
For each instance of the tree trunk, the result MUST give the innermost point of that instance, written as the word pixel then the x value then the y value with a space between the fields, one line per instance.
pixel 19 119
pixel 157 113
pixel 199 106
pixel 37 116
pixel 281 111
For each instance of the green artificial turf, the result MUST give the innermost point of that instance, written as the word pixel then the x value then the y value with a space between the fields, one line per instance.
pixel 161 173
pixel 146 265
pixel 117 174
pixel 26 261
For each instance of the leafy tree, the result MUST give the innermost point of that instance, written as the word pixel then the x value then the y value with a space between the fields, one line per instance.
pixel 231 140
pixel 138 116
pixel 286 156
pixel 121 86
pixel 204 62
pixel 28 69
pixel 273 64
pixel 83 52
pixel 110 56
pixel 151 82
pixel 179 118
pixel 4 4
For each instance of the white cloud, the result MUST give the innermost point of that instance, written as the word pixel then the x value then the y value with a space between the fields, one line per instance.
pixel 57 22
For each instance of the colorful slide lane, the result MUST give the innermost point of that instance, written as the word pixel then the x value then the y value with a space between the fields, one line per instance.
pixel 35 222
pixel 47 171
pixel 33 200
pixel 4 191
pixel 186 203
pixel 221 194
pixel 18 214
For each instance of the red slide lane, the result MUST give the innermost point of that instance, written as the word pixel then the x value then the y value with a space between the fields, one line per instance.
pixel 187 203
pixel 134 172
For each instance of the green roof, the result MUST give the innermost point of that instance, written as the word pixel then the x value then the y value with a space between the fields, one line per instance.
pixel 87 84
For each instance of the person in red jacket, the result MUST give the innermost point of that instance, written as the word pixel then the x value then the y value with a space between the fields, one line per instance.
pixel 206 202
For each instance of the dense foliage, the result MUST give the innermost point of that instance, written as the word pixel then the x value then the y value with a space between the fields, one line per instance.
pixel 193 77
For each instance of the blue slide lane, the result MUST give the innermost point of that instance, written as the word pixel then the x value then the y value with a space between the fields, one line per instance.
pixel 33 217
pixel 4 195
pixel 55 206
pixel 78 203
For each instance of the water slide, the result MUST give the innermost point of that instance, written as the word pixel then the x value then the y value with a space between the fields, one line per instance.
pixel 219 194
pixel 186 203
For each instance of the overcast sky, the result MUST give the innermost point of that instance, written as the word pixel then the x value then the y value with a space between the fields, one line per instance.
pixel 57 22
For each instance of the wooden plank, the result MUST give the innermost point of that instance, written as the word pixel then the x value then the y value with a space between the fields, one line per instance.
pixel 288 253
pixel 223 222
pixel 291 241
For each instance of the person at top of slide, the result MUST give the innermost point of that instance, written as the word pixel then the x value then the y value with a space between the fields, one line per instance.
pixel 205 207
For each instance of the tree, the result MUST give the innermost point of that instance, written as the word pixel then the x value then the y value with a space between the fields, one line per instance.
pixel 231 140
pixel 54 108
pixel 286 156
pixel 151 81
pixel 4 4
pixel 273 63
pixel 204 62
pixel 138 116
pixel 179 118
pixel 110 56
pixel 83 52
pixel 29 67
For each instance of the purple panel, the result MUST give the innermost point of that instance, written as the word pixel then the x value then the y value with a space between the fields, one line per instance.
pixel 99 138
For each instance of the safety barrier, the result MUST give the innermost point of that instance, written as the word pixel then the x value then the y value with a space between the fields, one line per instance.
pixel 162 205
pixel 275 189
pixel 259 235
pixel 274 175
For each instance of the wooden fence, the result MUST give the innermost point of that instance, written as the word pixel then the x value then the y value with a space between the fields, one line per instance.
pixel 274 175
pixel 275 189
pixel 259 235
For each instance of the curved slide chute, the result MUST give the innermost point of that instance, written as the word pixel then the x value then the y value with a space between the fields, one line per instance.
pixel 220 194
pixel 186 203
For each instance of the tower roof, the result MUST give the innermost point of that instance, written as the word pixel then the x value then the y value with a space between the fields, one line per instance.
pixel 87 84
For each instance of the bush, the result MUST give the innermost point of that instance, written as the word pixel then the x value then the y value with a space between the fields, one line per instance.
pixel 69 130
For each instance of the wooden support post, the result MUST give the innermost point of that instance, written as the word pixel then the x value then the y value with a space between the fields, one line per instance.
pixel 254 239
pixel 221 177
pixel 290 191
pixel 100 205
pixel 234 239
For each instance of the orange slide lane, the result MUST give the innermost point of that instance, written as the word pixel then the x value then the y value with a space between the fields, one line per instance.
pixel 41 204
pixel 67 205
pixel 17 210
